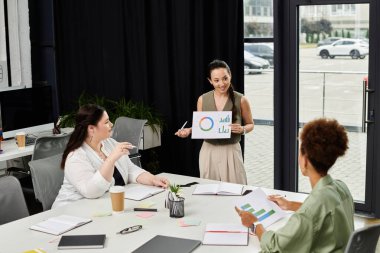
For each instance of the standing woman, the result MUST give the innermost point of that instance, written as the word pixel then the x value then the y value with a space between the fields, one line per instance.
pixel 93 162
pixel 221 159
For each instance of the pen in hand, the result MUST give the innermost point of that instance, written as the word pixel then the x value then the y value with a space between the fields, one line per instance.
pixel 183 125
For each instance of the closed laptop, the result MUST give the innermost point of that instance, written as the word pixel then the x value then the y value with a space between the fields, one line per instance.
pixel 167 244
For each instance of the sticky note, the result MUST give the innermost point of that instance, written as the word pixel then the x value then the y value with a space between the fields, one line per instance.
pixel 186 222
pixel 146 204
pixel 101 214
pixel 35 251
pixel 145 214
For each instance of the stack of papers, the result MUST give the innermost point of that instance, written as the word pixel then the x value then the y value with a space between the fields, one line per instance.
pixel 139 191
pixel 219 189
pixel 60 224
pixel 225 234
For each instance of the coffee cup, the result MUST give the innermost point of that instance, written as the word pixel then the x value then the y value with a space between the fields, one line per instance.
pixel 20 137
pixel 117 199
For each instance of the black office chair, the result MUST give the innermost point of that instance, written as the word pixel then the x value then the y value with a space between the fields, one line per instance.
pixel 130 130
pixel 364 240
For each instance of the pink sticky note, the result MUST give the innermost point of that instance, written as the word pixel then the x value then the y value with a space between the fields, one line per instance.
pixel 145 214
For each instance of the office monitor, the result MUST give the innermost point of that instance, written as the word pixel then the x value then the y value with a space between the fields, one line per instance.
pixel 29 110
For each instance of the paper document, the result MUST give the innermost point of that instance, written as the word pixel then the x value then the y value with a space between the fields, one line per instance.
pixel 265 210
pixel 225 234
pixel 139 191
pixel 211 125
pixel 60 224
pixel 219 189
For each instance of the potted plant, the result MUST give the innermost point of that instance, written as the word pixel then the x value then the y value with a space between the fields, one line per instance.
pixel 138 110
pixel 175 202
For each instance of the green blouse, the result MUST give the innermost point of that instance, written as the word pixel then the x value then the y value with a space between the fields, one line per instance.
pixel 323 223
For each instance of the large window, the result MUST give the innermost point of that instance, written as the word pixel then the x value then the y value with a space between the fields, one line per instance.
pixel 331 74
pixel 258 64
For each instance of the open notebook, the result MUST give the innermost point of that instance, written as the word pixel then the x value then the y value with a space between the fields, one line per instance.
pixel 60 224
pixel 140 192
pixel 219 189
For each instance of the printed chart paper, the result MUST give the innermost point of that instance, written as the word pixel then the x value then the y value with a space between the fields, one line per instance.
pixel 211 125
pixel 265 210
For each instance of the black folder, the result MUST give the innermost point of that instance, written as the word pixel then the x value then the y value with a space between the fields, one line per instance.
pixel 167 244
pixel 82 242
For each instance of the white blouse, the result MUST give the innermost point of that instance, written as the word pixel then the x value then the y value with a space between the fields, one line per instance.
pixel 82 177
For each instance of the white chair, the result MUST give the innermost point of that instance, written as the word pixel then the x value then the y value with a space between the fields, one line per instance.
pixel 47 177
pixel 13 205
pixel 130 130
pixel 364 240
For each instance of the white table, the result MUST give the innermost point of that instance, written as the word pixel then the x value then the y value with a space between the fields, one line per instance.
pixel 17 237
pixel 11 150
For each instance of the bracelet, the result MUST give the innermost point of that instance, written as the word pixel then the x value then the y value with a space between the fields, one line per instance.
pixel 244 131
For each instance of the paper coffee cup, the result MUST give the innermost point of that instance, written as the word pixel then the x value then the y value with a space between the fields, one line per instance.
pixel 117 198
pixel 20 137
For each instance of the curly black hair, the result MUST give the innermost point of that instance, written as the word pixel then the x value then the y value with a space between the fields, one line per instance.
pixel 323 141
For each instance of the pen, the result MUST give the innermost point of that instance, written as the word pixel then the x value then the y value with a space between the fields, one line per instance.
pixel 145 209
pixel 183 125
pixel 131 146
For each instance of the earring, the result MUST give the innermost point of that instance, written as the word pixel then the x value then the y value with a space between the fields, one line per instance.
pixel 91 138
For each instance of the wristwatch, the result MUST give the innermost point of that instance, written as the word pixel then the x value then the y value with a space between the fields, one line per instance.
pixel 253 228
pixel 244 131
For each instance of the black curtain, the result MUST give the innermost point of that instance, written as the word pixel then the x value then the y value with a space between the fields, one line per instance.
pixel 153 51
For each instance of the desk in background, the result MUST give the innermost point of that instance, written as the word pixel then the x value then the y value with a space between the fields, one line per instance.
pixel 11 150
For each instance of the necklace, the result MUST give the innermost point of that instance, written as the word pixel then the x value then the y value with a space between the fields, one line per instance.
pixel 98 152
pixel 101 155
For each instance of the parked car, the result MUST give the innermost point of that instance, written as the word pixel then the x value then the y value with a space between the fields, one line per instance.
pixel 253 63
pixel 328 41
pixel 355 48
pixel 262 50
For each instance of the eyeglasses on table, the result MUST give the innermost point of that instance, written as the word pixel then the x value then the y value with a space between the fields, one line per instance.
pixel 130 229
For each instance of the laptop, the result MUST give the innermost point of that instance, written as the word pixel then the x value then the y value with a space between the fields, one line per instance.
pixel 167 244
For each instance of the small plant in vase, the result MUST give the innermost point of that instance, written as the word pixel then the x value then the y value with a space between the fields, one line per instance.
pixel 175 191
pixel 175 202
